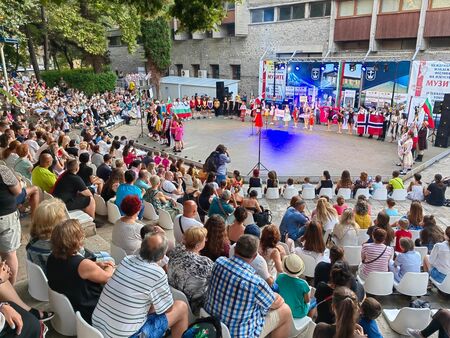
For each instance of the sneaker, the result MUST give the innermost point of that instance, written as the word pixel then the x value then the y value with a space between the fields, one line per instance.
pixel 414 333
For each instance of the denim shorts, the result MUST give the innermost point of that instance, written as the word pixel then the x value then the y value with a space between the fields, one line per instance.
pixel 21 198
pixel 437 275
pixel 154 327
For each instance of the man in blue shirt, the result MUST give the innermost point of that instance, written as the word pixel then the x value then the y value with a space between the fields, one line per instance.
pixel 293 222
pixel 128 188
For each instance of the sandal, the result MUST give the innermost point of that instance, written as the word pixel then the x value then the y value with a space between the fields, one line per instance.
pixel 45 315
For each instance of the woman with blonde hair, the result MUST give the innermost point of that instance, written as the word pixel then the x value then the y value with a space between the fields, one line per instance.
pixel 415 216
pixel 48 214
pixel 346 231
pixel 326 215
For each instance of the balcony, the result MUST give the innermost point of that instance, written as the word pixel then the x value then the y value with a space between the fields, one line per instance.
pixel 352 28
pixel 436 23
pixel 397 25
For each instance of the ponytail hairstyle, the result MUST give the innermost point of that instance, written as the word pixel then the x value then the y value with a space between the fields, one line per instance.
pixel 345 307
pixel 447 234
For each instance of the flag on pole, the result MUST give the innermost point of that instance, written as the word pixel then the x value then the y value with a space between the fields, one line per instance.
pixel 428 109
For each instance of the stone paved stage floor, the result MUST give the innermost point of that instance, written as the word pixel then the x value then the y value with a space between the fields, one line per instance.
pixel 291 152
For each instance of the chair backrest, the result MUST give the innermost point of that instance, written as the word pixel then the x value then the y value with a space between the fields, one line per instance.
pixel 410 318
pixel 113 212
pixel 310 264
pixel 37 282
pixel 380 194
pixel 64 321
pixel 413 284
pixel 362 191
pixel 422 250
pixel 248 220
pixel 47 196
pixel 258 190
pixel 289 193
pixel 308 193
pixel 179 295
pixel 345 192
pixel 399 194
pixel 149 212
pixel 285 247
pixel 85 330
pixel 352 255
pixel 272 193
pixel 394 219
pixel 165 221
pixel 415 234
pixel 117 253
pixel 100 205
pixel 362 236
pixel 379 283
pixel 225 331
pixel 326 192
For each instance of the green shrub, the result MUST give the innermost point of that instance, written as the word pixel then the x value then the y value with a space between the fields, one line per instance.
pixel 83 79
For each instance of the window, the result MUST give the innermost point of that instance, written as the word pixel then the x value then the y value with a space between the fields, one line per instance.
pixel 355 7
pixel 440 3
pixel 114 41
pixel 236 72
pixel 230 6
pixel 298 11
pixel 195 69
pixel 215 72
pixel 390 6
pixel 364 7
pixel 285 13
pixel 400 5
pixel 346 8
pixel 179 69
pixel 294 12
pixel 319 9
pixel 263 15
pixel 230 28
pixel 410 5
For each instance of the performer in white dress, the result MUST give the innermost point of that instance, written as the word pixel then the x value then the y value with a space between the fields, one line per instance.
pixel 406 152
pixel 287 116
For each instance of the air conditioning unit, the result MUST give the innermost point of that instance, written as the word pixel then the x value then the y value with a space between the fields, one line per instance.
pixel 185 73
pixel 203 73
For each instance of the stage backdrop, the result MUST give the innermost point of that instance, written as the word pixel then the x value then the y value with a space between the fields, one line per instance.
pixel 268 82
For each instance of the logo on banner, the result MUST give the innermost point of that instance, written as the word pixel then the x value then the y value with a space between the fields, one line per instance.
pixel 315 73
pixel 371 74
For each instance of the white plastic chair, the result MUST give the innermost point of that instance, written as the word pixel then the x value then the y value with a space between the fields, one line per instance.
pixel 362 191
pixel 179 295
pixel 413 284
pixel 400 320
pixel 378 283
pixel 444 286
pixel 37 282
pixel 248 220
pixel 399 194
pixel 79 215
pixel 310 264
pixel 100 205
pixel 117 253
pixel 272 193
pixel 345 192
pixel 64 321
pixel 380 194
pixel 165 221
pixel 113 211
pixel 85 330
pixel 362 236
pixel 415 234
pixel 308 193
pixel 394 219
pixel 259 190
pixel 225 331
pixel 326 192
pixel 149 212
pixel 352 255
pixel 289 193
pixel 422 250
pixel 300 325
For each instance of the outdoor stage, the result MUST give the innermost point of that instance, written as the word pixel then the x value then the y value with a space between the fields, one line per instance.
pixel 289 151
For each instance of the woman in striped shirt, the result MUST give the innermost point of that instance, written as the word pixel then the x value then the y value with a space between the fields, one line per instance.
pixel 375 256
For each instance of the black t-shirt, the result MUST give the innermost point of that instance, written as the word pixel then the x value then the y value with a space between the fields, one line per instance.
pixel 7 199
pixel 85 173
pixel 104 171
pixel 437 194
pixel 72 151
pixel 254 182
pixel 326 184
pixel 322 273
pixel 68 186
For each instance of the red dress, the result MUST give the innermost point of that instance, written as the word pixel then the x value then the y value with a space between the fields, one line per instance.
pixel 258 119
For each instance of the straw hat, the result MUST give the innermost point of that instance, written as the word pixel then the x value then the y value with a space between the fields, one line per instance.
pixel 293 265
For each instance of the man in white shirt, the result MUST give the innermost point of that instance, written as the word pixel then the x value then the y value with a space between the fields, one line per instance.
pixel 168 187
pixel 185 221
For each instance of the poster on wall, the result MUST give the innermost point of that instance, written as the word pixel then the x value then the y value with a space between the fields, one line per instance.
pixel 273 79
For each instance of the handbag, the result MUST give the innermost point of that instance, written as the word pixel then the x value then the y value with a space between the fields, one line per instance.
pixel 374 260
pixel 263 218
pixel 330 243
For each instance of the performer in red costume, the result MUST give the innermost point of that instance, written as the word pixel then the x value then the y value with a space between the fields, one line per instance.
pixel 258 116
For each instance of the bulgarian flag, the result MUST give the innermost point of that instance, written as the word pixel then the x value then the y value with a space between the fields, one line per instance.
pixel 429 111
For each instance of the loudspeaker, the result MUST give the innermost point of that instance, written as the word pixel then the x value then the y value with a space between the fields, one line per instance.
pixel 444 125
pixel 220 90
pixel 441 139
pixel 227 91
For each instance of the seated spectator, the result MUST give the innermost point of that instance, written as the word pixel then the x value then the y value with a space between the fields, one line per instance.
pixel 390 210
pixel 153 229
pixel 362 217
pixel 158 199
pixel 402 232
pixel 48 214
pixel 10 155
pixel 128 153
pixel 415 189
pixel 211 179
pixel 312 241
pixel 222 188
pixel 217 243
pixel 143 181
pixel 23 164
pixel 251 203
pixel 323 269
pixel 362 182
pixel 375 256
pixel 237 180
pixel 128 188
pixel 112 184
pixel 72 149
pixel 68 272
pixel 204 201
pixel 294 290
pixel 325 182
pixel 340 205
pixel 242 300
pixel 136 166
pixel 41 176
pixel 272 180
pixel 361 198
pixel 345 182
pixel 97 157
pixel 220 206
pixel 345 233
pixel 294 221
pixel 188 271
pixel 146 306
pixel 431 233
pixel 271 250
pixel 187 220
pixel 71 189
pixel 370 310
pixel 439 323
pixel 382 221
pixel 289 187
pixel 415 216
pixel 435 192
pixel 378 184
pixel 408 260
pixel 86 172
pixel 326 215
pixel 236 229
pixel 126 230
pixel 171 188
pixel 104 170
pixel 396 182
pixel 306 184
pixel 438 262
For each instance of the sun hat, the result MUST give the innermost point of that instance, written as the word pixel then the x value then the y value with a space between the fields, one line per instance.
pixel 293 265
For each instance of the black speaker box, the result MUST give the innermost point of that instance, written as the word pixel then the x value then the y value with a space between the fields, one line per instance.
pixel 441 139
pixel 220 90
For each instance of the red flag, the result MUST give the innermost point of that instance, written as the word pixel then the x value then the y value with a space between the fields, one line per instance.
pixel 370 124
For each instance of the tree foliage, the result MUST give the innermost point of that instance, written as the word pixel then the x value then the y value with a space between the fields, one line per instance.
pixel 157 42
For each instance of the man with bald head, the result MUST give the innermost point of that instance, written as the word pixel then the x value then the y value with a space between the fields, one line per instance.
pixel 41 176
pixel 185 221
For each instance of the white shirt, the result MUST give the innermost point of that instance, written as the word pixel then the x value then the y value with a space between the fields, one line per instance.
pixel 186 223
pixel 168 188
pixel 103 147
pixel 440 257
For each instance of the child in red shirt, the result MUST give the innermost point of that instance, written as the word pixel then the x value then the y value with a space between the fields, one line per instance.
pixel 403 224
pixel 157 159
pixel 340 205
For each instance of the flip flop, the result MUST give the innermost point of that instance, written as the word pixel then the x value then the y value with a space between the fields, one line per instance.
pixel 45 315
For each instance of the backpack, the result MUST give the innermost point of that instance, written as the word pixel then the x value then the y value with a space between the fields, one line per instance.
pixel 262 218
pixel 212 162
pixel 208 327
